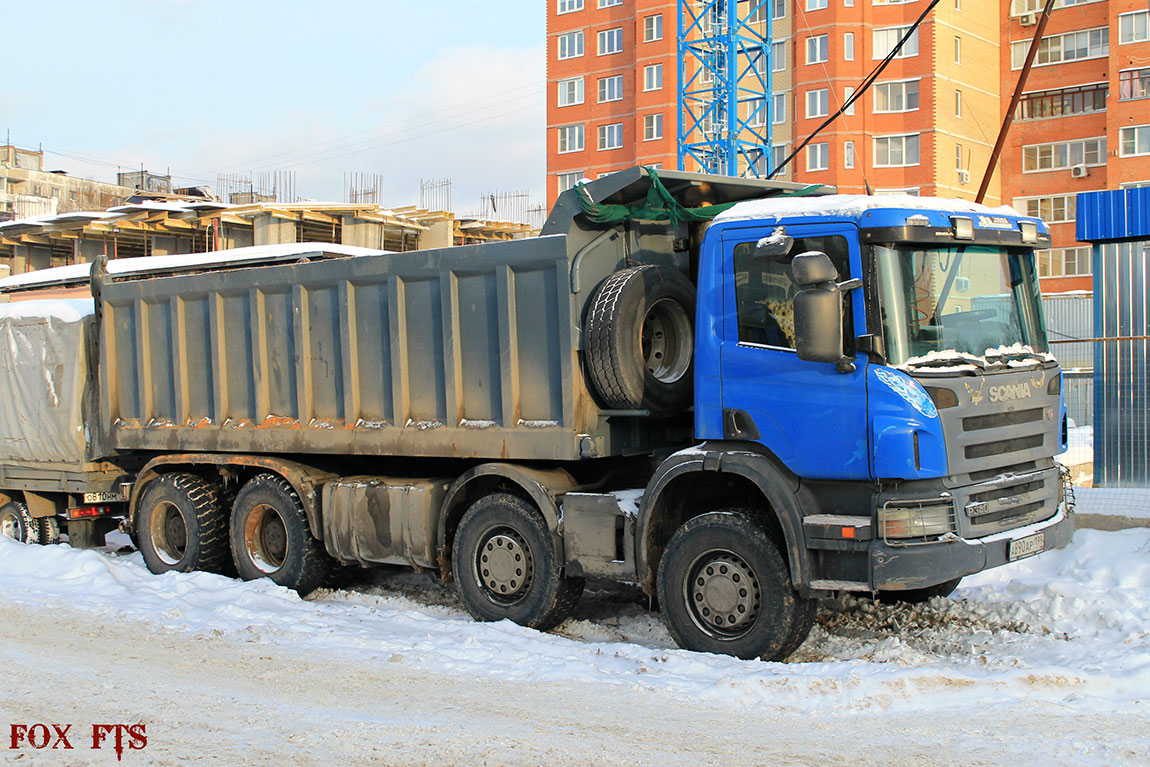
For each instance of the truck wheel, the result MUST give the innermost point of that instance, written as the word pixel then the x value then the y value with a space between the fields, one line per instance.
pixel 16 523
pixel 724 587
pixel 507 567
pixel 639 339
pixel 917 596
pixel 271 537
pixel 181 525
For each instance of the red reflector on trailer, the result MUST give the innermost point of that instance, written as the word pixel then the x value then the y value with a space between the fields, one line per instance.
pixel 848 532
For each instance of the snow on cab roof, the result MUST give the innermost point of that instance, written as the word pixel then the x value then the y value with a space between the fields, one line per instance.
pixel 79 273
pixel 846 206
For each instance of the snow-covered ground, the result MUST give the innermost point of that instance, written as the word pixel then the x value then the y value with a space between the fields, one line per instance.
pixel 1067 632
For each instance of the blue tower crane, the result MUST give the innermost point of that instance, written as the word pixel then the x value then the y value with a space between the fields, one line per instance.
pixel 724 86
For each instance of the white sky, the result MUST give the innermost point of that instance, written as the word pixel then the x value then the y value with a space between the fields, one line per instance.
pixel 424 89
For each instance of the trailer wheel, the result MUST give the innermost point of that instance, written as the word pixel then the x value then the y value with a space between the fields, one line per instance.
pixel 271 537
pixel 507 566
pixel 724 587
pixel 917 596
pixel 16 523
pixel 49 528
pixel 639 339
pixel 181 525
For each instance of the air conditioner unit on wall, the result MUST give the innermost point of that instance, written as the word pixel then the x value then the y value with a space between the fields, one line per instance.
pixel 1027 19
pixel 1079 171
pixel 963 176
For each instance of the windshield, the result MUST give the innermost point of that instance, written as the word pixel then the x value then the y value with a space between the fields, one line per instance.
pixel 965 299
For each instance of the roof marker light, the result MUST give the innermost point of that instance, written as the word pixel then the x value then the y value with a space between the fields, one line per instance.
pixel 963 227
pixel 1029 231
pixel 917 219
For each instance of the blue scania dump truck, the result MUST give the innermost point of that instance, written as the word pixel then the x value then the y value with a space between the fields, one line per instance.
pixel 740 395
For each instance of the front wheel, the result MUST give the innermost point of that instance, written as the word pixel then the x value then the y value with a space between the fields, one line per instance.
pixel 724 587
pixel 507 566
pixel 271 538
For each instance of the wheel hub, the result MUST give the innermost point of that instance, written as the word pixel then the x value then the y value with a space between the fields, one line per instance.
pixel 723 594
pixel 9 527
pixel 265 536
pixel 505 566
pixel 169 534
pixel 661 340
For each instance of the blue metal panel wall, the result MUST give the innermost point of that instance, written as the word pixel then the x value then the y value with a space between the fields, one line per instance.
pixel 1122 423
pixel 1113 215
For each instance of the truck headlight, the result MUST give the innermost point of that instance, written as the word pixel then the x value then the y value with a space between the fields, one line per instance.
pixel 916 519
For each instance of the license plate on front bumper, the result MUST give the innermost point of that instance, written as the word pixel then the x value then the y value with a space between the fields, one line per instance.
pixel 1025 547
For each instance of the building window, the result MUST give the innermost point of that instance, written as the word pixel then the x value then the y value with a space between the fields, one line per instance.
pixel 778 155
pixel 816 5
pixel 957 50
pixel 896 151
pixel 610 88
pixel 818 102
pixel 652 77
pixel 1134 84
pixel 849 46
pixel 1134 27
pixel 1134 140
pixel 756 113
pixel 958 165
pixel 901 96
pixel 610 41
pixel 818 156
pixel 1079 99
pixel 849 154
pixel 571 91
pixel 913 191
pixel 759 14
pixel 652 126
pixel 1072 46
pixel 611 136
pixel 778 56
pixel 571 45
pixel 568 180
pixel 892 2
pixel 1063 155
pixel 1057 209
pixel 567 6
pixel 778 9
pixel 885 40
pixel 957 102
pixel 817 49
pixel 653 28
pixel 609 3
pixel 778 108
pixel 1064 262
pixel 570 138
pixel 848 94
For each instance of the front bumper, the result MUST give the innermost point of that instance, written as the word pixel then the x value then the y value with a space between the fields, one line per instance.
pixel 895 567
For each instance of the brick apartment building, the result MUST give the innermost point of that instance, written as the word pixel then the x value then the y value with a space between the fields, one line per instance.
pixel 928 124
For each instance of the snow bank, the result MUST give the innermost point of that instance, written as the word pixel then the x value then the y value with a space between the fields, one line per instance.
pixel 1071 627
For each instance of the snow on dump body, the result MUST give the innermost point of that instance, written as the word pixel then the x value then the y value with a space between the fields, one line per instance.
pixel 846 206
pixel 80 272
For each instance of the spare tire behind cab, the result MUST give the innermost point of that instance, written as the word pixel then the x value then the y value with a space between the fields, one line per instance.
pixel 638 339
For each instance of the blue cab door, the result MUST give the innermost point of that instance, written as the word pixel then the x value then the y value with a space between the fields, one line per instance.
pixel 811 416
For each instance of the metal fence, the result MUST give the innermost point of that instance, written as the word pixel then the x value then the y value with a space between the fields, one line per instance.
pixel 1070 327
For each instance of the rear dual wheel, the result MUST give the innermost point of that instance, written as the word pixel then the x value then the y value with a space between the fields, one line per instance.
pixel 182 525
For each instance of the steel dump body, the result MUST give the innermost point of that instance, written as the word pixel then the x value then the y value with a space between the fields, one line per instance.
pixel 461 352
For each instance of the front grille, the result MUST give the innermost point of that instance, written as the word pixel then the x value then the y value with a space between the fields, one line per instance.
pixel 1016 468
pixel 1009 513
pixel 1003 446
pixel 994 420
pixel 1006 492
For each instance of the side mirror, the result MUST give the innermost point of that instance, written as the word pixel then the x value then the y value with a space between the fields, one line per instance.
pixel 776 246
pixel 819 309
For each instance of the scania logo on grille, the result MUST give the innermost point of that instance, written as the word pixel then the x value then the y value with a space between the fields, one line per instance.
pixel 1009 392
